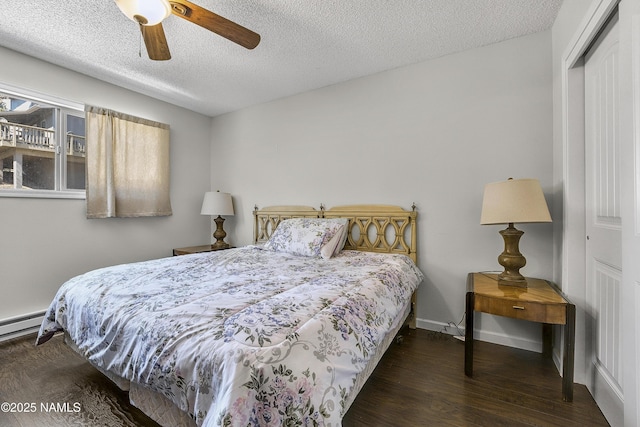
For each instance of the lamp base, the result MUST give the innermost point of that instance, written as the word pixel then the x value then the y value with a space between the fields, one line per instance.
pixel 219 235
pixel 220 245
pixel 511 259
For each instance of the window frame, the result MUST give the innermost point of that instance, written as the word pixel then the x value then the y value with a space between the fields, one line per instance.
pixel 63 108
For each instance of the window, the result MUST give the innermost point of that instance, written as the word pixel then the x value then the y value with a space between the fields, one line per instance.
pixel 42 146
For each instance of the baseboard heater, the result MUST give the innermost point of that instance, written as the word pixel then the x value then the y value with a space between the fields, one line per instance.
pixel 20 325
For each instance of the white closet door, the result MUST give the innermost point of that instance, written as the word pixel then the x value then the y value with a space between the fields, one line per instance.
pixel 604 224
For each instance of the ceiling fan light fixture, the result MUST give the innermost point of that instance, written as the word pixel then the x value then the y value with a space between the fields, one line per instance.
pixel 145 12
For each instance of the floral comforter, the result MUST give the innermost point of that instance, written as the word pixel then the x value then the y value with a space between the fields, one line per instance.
pixel 239 337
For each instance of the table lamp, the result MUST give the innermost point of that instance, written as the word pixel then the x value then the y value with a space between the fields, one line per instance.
pixel 509 202
pixel 217 203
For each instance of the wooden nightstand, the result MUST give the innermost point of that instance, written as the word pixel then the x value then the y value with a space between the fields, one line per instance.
pixel 541 301
pixel 195 250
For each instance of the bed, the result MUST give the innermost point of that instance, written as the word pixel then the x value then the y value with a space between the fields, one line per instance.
pixel 282 332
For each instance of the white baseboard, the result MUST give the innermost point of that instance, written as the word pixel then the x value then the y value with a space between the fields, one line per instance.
pixel 492 337
pixel 20 325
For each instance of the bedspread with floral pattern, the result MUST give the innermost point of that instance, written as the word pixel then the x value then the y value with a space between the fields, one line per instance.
pixel 241 337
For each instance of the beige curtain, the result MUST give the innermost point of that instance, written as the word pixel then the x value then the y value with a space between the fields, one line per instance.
pixel 127 165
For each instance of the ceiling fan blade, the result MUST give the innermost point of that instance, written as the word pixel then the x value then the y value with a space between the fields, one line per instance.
pixel 156 42
pixel 216 23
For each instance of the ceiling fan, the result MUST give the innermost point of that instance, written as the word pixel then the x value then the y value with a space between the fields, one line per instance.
pixel 149 14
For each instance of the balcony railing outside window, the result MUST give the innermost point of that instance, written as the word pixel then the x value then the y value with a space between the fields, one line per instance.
pixel 42 148
pixel 76 145
pixel 31 137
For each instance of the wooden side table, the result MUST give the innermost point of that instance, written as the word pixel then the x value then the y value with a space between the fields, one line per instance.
pixel 195 249
pixel 541 301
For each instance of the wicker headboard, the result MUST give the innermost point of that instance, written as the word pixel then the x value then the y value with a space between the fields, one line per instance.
pixel 372 228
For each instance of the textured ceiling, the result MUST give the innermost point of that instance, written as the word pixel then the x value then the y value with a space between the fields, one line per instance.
pixel 305 44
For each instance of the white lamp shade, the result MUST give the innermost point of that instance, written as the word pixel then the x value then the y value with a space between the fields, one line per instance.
pixel 217 203
pixel 153 11
pixel 514 201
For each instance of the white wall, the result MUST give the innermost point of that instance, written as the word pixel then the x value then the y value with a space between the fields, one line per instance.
pixel 43 242
pixel 433 133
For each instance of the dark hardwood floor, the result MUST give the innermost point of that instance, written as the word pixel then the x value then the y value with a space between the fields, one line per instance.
pixel 419 382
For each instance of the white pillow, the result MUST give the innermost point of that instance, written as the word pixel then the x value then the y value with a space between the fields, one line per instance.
pixel 340 239
pixel 308 236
